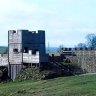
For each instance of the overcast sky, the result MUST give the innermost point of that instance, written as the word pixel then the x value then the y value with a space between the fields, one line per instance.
pixel 66 22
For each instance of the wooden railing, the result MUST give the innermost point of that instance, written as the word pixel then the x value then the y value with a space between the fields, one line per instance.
pixel 27 58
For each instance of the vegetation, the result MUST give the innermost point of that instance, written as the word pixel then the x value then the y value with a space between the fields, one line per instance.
pixel 62 86
pixel 3 50
pixel 48 71
pixel 3 73
pixel 34 73
pixel 90 42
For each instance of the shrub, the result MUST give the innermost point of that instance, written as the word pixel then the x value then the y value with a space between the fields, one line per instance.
pixel 29 73
pixel 3 73
pixel 35 74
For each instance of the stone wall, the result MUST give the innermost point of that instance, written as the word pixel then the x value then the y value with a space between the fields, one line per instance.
pixel 3 59
pixel 85 58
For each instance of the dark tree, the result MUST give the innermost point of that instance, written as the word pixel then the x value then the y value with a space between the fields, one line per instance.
pixel 81 45
pixel 91 40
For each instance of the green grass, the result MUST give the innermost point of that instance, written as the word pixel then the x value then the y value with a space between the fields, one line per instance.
pixel 63 86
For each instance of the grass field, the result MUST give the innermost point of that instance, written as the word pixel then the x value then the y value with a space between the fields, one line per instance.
pixel 62 86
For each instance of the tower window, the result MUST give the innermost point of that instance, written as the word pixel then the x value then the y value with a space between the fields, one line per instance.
pixel 15 50
pixel 14 31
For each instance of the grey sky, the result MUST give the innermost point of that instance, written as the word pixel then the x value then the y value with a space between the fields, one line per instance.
pixel 66 22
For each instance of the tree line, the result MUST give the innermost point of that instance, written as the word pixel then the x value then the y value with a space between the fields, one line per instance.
pixel 90 42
